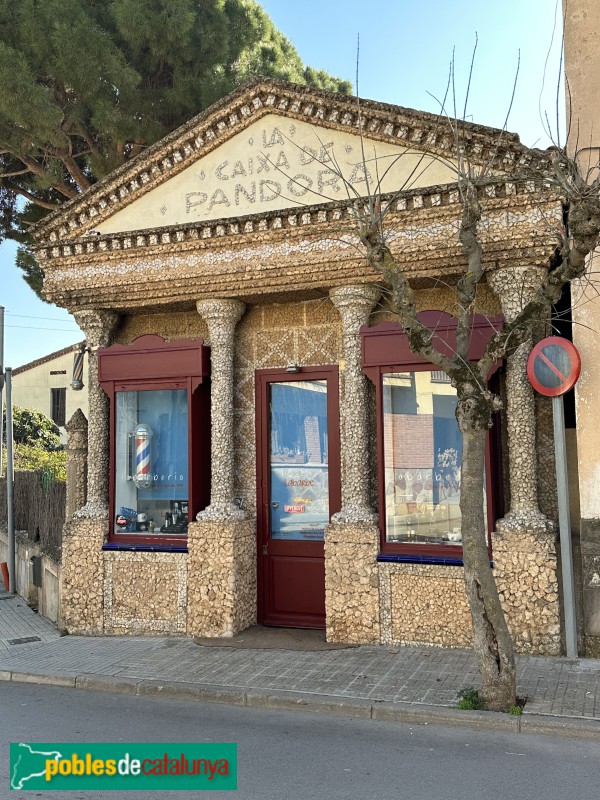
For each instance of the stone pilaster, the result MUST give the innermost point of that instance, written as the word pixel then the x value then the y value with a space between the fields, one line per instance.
pixel 354 305
pixel 98 327
pixel 221 316
pixel 515 287
pixel 77 445
pixel 222 542
pixel 352 539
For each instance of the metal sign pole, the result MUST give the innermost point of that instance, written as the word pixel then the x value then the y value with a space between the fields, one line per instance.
pixel 10 485
pixel 1 383
pixel 564 521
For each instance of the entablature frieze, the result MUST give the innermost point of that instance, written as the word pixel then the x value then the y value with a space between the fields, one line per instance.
pixel 306 251
pixel 409 209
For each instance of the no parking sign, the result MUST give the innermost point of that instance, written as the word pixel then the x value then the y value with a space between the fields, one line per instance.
pixel 553 367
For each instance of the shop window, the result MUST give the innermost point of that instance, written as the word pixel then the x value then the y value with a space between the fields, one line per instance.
pixel 58 406
pixel 422 453
pixel 160 439
pixel 151 451
pixel 419 442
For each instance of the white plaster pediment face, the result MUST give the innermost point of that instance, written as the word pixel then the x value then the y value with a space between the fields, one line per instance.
pixel 278 163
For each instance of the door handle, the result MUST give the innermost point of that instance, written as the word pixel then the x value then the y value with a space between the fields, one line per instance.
pixel 275 504
pixel 265 549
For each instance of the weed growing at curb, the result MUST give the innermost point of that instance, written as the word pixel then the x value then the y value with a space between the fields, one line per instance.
pixel 469 699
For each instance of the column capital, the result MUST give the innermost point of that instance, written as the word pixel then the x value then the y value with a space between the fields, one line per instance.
pixel 223 311
pixel 98 325
pixel 355 300
pixel 516 286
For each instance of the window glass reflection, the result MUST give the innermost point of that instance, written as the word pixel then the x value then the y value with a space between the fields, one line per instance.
pixel 299 473
pixel 422 458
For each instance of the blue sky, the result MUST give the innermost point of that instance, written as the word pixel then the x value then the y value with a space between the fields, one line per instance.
pixel 406 48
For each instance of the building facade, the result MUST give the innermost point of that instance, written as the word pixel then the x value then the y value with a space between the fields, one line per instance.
pixel 46 385
pixel 582 73
pixel 263 446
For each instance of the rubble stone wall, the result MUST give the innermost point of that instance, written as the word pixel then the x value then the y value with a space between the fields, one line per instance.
pixel 525 567
pixel 145 593
pixel 82 575
pixel 424 605
pixel 221 577
pixel 352 583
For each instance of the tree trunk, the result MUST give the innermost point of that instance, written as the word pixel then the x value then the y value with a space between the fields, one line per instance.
pixel 491 639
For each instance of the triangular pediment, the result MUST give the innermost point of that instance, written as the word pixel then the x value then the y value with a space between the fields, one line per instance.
pixel 279 163
pixel 272 146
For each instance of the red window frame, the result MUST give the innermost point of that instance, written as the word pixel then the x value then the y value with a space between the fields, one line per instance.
pixel 151 363
pixel 385 350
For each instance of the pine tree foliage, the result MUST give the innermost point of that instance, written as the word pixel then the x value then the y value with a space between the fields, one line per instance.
pixel 87 84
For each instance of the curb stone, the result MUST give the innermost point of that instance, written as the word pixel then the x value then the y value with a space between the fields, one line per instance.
pixel 437 715
pixel 45 680
pixel 303 701
pixel 106 683
pixel 385 711
pixel 178 690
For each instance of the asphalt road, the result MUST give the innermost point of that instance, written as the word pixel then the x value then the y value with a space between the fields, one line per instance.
pixel 287 756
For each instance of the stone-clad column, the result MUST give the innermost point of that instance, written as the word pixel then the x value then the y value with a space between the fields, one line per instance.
pixel 222 541
pixel 98 327
pixel 525 563
pixel 354 305
pixel 82 574
pixel 352 540
pixel 515 287
pixel 221 316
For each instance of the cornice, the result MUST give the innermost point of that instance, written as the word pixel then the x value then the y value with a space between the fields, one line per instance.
pixel 435 198
pixel 207 131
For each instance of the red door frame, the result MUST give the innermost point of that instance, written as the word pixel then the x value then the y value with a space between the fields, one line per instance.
pixel 267 547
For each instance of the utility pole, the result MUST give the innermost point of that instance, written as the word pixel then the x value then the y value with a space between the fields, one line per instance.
pixel 1 383
pixel 10 485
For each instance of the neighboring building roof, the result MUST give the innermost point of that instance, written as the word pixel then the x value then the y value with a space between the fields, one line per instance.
pixel 45 359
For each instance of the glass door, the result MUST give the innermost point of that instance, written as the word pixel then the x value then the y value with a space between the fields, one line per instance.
pixel 300 469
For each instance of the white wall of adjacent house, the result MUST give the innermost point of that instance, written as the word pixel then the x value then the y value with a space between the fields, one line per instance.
pixel 582 66
pixel 45 385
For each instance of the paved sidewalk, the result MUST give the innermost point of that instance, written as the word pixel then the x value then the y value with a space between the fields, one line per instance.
pixel 404 683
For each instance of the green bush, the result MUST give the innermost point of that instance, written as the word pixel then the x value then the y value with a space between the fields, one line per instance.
pixel 31 427
pixel 31 458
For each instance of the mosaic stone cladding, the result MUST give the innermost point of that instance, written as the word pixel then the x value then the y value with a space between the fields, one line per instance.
pixel 145 593
pixel 289 286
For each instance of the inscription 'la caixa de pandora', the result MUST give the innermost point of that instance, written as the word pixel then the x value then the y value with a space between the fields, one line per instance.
pixel 281 169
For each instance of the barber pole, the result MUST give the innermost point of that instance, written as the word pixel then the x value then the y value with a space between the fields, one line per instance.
pixel 143 437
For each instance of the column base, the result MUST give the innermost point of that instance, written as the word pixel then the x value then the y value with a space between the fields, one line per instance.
pixel 352 582
pixel 93 509
pixel 82 575
pixel 350 515
pixel 525 521
pixel 221 574
pixel 220 511
pixel 526 572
